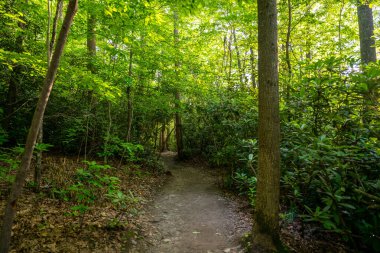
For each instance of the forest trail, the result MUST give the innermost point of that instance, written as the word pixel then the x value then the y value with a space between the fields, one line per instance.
pixel 190 214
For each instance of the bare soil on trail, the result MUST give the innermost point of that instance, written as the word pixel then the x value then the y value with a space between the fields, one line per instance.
pixel 191 214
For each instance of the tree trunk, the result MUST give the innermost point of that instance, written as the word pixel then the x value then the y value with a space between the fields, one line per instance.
pixel 163 145
pixel 229 60
pixel 368 54
pixel 178 120
pixel 108 134
pixel 49 48
pixel 224 67
pixel 129 97
pixel 91 53
pixel 266 229
pixel 38 169
pixel 252 61
pixel 367 42
pixel 287 59
pixel 155 135
pixel 287 52
pixel 58 14
pixel 244 67
pixel 340 32
pixel 10 208
pixel 167 139
pixel 91 41
pixel 48 33
pixel 178 126
pixel 241 78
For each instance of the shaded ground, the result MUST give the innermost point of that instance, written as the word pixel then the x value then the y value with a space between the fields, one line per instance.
pixel 44 222
pixel 190 214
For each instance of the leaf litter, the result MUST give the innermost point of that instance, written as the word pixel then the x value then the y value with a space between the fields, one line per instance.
pixel 45 224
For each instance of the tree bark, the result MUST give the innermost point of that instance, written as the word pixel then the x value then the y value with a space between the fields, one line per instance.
pixel 340 31
pixel 367 42
pixel 178 120
pixel 241 78
pixel 229 59
pixel 287 51
pixel 178 126
pixel 40 136
pixel 129 97
pixel 16 190
pixel 163 145
pixel 58 14
pixel 287 59
pixel 167 139
pixel 266 229
pixel 252 61
pixel 91 54
pixel 224 54
pixel 48 33
pixel 91 41
pixel 368 54
pixel 108 134
pixel 38 169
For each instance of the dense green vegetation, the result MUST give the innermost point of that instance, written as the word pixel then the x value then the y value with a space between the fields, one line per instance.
pixel 134 73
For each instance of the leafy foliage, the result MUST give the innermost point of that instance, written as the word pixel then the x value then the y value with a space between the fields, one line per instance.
pixel 92 185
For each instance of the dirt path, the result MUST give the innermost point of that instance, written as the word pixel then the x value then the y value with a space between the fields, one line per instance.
pixel 190 214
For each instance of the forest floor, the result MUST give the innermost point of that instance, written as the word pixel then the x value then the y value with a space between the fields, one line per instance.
pixel 184 210
pixel 190 214
pixel 45 221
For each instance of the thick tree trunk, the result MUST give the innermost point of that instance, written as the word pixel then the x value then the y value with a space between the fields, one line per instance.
pixel 367 42
pixel 266 228
pixel 10 208
pixel 368 54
